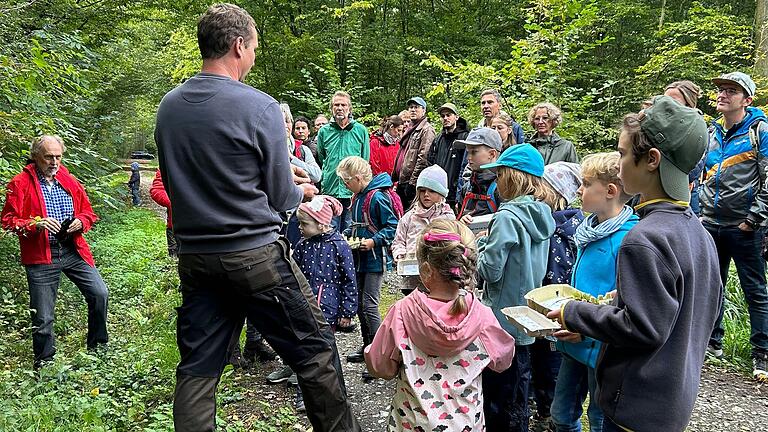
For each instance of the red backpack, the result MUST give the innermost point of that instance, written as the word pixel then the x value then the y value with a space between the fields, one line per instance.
pixel 394 198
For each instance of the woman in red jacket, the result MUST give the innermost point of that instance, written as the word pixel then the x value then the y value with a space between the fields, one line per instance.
pixel 385 143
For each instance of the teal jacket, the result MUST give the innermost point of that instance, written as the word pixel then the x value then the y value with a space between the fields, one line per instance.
pixel 384 220
pixel 595 273
pixel 513 257
pixel 333 145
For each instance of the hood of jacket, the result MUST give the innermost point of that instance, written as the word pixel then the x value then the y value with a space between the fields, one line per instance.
pixel 538 223
pixel 379 181
pixel 753 115
pixel 431 334
pixel 564 221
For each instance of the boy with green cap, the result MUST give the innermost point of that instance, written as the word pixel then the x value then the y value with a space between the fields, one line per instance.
pixel 655 332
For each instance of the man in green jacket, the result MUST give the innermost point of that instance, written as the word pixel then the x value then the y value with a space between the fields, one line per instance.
pixel 341 137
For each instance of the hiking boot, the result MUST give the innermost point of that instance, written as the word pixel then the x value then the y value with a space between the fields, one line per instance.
pixel 539 423
pixel 760 367
pixel 298 404
pixel 236 359
pixel 258 349
pixel 356 357
pixel 280 375
pixel 714 351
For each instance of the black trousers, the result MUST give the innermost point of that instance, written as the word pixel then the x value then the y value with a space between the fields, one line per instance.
pixel 265 285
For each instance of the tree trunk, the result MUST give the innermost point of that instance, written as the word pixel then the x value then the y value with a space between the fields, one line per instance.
pixel 661 15
pixel 761 38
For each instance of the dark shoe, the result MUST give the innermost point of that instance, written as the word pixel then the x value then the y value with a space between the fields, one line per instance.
pixel 541 424
pixel 356 357
pixel 293 381
pixel 367 377
pixel 760 367
pixel 280 375
pixel 258 349
pixel 348 329
pixel 298 404
pixel 236 359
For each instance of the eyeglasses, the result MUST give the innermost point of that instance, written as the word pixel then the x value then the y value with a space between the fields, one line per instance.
pixel 729 91
pixel 346 180
pixel 541 119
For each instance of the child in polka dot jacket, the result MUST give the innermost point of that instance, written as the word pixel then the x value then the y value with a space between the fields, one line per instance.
pixel 438 341
pixel 326 260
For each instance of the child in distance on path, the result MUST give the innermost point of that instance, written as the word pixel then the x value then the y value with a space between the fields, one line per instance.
pixel 598 239
pixel 438 342
pixel 376 226
pixel 429 205
pixel 134 183
pixel 513 261
pixel 656 330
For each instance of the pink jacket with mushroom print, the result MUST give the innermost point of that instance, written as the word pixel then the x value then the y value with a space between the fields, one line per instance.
pixel 438 360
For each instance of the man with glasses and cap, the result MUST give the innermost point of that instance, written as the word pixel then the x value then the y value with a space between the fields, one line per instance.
pixel 734 204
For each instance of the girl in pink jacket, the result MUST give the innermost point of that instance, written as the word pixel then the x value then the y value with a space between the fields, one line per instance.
pixel 431 190
pixel 438 341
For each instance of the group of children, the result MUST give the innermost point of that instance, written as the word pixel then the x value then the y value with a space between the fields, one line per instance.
pixel 460 365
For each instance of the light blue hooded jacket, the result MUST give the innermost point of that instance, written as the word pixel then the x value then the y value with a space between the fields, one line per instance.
pixel 513 257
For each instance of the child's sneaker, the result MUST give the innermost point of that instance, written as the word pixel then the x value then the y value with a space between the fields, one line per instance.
pixel 715 352
pixel 258 349
pixel 541 424
pixel 760 367
pixel 298 404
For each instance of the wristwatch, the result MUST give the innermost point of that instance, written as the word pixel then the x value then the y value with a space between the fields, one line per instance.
pixel 752 224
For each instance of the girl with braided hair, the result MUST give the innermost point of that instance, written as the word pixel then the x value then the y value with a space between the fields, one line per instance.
pixel 438 341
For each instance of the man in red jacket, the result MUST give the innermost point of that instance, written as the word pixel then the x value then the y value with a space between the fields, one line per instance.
pixel 49 210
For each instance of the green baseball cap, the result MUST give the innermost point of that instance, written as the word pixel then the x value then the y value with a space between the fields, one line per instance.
pixel 680 134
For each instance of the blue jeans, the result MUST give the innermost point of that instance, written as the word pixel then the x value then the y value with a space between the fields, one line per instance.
pixel 43 281
pixel 573 382
pixel 506 394
pixel 135 196
pixel 745 249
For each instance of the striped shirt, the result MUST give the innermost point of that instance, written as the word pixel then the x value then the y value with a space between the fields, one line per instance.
pixel 58 203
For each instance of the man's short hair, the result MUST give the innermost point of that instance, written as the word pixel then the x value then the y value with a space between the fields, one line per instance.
pixel 219 26
pixel 37 144
pixel 495 93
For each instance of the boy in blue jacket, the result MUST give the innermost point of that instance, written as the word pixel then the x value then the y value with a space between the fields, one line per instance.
pixel 374 220
pixel 597 240
pixel 656 330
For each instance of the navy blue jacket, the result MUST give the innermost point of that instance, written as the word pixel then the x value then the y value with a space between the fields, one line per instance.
pixel 562 249
pixel 326 261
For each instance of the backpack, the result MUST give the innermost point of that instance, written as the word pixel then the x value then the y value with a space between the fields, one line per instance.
pixel 394 198
pixel 489 197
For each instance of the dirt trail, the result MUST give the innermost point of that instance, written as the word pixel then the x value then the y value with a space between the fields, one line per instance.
pixel 728 401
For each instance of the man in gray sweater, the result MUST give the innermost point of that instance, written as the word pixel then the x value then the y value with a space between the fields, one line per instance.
pixel 656 331
pixel 225 166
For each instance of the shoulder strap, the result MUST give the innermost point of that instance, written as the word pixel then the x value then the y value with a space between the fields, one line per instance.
pixel 492 194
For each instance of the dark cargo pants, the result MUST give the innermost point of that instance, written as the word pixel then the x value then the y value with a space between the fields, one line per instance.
pixel 264 284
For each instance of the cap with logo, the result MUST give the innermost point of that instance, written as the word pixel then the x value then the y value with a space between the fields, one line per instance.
pixel 739 78
pixel 418 101
pixel 448 106
pixel 522 157
pixel 480 136
pixel 680 134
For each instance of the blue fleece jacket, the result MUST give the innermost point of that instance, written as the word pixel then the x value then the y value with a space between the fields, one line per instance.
pixel 513 257
pixel 384 221
pixel 595 274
